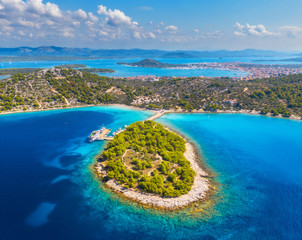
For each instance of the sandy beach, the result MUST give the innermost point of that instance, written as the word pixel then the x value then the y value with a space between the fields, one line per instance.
pixel 293 117
pixel 75 107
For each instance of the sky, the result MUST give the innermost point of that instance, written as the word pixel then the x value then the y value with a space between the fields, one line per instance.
pixel 153 24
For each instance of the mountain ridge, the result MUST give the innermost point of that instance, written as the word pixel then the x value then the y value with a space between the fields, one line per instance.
pixel 133 53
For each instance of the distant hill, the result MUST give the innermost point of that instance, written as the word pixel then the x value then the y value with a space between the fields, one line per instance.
pixel 45 52
pixel 150 63
pixel 178 55
pixel 80 52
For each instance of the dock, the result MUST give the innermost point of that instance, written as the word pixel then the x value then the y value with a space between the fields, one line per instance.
pixel 99 135
pixel 104 134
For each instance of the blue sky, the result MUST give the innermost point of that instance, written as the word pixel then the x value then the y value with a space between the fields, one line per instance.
pixel 161 24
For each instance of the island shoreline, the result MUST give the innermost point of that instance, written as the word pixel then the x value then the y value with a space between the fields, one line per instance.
pixel 201 190
pixel 194 111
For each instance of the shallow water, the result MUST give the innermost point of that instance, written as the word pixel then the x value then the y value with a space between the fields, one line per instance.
pixel 48 191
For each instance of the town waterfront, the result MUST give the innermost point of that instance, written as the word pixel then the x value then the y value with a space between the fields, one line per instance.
pixel 49 192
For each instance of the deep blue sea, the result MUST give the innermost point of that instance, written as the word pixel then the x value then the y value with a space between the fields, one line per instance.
pixel 128 71
pixel 48 191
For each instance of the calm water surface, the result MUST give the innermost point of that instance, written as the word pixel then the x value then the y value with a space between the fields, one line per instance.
pixel 48 192
pixel 128 71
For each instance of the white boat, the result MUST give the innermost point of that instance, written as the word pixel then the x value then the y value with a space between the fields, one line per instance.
pixel 99 134
pixel 117 131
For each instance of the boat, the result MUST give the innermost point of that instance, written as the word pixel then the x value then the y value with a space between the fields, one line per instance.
pixel 117 131
pixel 99 134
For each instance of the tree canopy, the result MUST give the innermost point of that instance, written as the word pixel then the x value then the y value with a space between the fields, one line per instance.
pixel 150 158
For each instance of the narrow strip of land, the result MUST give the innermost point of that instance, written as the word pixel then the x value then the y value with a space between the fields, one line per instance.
pixel 156 115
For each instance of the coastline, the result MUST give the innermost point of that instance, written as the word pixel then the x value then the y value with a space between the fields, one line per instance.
pixel 249 112
pixel 75 107
pixel 200 189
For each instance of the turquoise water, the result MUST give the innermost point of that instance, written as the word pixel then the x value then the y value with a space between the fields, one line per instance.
pixel 128 71
pixel 259 165
pixel 48 192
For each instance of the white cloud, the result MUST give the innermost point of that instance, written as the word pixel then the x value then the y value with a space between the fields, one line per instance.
pixel 40 8
pixel 103 33
pixel 25 23
pixel 115 17
pixel 152 35
pixel 68 34
pixel 21 33
pixel 252 30
pixel 172 28
pixel 81 14
pixel 92 17
pixel 35 21
pixel 239 26
pixel 137 35
pixel 46 21
pixel 216 34
pixel 19 5
pixel 76 23
pixel 239 34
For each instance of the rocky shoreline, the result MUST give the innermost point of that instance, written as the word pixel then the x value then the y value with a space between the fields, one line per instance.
pixel 197 193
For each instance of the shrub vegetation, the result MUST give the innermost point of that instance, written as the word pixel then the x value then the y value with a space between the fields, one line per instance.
pixel 148 157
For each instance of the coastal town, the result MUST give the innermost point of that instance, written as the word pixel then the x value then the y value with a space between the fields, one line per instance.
pixel 255 71
pixel 244 71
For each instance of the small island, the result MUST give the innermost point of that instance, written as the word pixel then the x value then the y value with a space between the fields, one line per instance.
pixel 150 63
pixel 84 68
pixel 152 165
pixel 72 65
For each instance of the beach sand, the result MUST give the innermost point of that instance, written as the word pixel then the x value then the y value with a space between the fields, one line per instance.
pixel 293 117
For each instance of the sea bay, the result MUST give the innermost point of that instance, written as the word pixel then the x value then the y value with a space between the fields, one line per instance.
pixel 49 192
